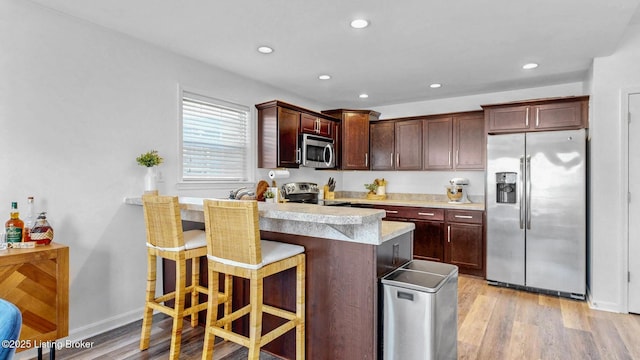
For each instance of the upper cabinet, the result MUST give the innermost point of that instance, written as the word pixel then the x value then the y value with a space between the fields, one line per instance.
pixel 454 142
pixel 310 124
pixel 279 127
pixel 537 115
pixel 354 137
pixel 396 145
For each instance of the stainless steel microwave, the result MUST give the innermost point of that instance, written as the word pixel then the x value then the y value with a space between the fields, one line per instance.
pixel 318 152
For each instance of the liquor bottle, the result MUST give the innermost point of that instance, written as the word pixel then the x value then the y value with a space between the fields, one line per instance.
pixel 29 220
pixel 42 233
pixel 14 225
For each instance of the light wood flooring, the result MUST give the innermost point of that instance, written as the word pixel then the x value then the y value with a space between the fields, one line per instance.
pixel 493 323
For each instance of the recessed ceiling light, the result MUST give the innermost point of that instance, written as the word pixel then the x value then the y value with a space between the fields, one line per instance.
pixel 363 96
pixel 359 23
pixel 324 77
pixel 435 85
pixel 529 66
pixel 265 49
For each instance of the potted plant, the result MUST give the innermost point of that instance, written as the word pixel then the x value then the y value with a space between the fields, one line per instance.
pixel 150 160
pixel 269 196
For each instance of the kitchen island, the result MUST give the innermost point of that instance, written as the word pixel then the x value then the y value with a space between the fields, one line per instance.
pixel 347 251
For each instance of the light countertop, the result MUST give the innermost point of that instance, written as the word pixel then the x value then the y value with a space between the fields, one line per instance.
pixel 331 222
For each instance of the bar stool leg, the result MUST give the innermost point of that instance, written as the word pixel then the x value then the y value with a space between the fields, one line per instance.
pixel 147 317
pixel 255 317
pixel 300 302
pixel 176 333
pixel 212 313
pixel 195 281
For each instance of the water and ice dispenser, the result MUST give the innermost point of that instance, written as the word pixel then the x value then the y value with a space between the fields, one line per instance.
pixel 506 187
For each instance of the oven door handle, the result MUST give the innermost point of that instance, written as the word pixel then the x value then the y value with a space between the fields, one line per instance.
pixel 328 147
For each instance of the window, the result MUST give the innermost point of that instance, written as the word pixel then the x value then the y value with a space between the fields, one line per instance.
pixel 215 140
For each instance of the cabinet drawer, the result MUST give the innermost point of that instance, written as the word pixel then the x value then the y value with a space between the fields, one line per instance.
pixel 414 213
pixel 464 216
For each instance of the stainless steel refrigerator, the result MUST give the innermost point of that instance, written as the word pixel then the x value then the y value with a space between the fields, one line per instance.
pixel 536 211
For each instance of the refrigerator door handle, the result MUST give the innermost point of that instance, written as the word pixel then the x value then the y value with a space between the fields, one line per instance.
pixel 528 199
pixel 520 185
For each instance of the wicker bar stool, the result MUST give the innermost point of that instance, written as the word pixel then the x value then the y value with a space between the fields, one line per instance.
pixel 165 239
pixel 234 247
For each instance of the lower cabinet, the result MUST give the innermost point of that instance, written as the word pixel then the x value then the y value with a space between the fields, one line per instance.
pixel 445 235
pixel 465 245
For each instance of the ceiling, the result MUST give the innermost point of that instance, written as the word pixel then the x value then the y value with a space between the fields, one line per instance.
pixel 469 46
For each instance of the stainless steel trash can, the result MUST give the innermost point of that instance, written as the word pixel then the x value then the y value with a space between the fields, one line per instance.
pixel 420 306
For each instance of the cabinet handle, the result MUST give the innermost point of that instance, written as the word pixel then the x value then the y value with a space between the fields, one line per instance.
pixel 449 157
pixel 398 159
pixel 391 160
pixel 298 156
pixel 426 214
pixel 526 119
pixel 449 233
pixel 366 159
pixel 457 157
pixel 463 216
pixel 391 211
pixel 317 125
pixel 537 117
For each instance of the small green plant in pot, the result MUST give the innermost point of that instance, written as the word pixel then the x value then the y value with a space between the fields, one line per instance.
pixel 269 196
pixel 150 159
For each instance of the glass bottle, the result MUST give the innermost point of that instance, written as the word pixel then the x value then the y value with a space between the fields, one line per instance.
pixel 14 225
pixel 42 233
pixel 29 220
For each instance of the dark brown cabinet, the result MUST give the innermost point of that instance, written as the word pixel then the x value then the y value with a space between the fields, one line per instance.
pixel 354 137
pixel 445 235
pixel 278 129
pixel 311 124
pixel 454 142
pixel 465 244
pixel 279 125
pixel 382 145
pixel 408 145
pixel 396 145
pixel 438 142
pixel 429 232
pixel 537 115
pixel 469 141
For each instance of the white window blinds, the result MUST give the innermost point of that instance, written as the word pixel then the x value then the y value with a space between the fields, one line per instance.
pixel 214 139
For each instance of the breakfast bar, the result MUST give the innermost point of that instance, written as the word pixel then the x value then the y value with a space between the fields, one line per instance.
pixel 347 251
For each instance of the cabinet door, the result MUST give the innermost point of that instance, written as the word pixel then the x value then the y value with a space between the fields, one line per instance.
pixel 308 124
pixel 437 135
pixel 355 141
pixel 382 135
pixel 288 125
pixel 408 139
pixel 325 127
pixel 464 247
pixel 468 142
pixel 515 118
pixel 560 115
pixel 428 240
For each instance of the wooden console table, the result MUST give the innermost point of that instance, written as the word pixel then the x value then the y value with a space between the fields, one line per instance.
pixel 36 280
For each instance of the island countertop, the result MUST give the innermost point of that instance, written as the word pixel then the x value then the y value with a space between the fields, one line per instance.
pixel 336 223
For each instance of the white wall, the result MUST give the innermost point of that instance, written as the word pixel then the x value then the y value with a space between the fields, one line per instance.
pixel 610 77
pixel 78 103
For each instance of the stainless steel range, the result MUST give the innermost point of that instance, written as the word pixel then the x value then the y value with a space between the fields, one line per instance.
pixel 306 192
pixel 301 192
